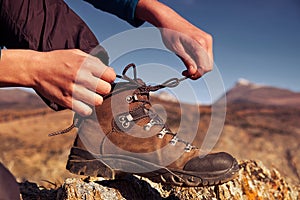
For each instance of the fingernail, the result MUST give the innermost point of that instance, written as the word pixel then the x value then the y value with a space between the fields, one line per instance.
pixel 88 112
pixel 193 69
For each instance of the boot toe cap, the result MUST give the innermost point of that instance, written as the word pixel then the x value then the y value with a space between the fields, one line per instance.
pixel 211 163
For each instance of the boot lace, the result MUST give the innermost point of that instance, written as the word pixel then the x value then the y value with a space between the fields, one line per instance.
pixel 154 118
pixel 141 111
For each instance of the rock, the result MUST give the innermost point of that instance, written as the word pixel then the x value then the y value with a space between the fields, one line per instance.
pixel 254 181
pixel 31 191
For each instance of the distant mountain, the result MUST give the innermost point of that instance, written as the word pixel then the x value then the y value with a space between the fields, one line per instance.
pixel 19 99
pixel 267 109
pixel 246 92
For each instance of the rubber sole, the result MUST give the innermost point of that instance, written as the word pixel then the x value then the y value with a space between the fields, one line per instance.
pixel 114 166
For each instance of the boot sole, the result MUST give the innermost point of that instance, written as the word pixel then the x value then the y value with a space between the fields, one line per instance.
pixel 98 167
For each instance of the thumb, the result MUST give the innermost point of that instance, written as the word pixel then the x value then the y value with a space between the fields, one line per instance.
pixel 189 64
pixel 193 76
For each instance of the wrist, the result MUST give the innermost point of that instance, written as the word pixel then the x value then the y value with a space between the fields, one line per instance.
pixel 158 14
pixel 151 11
pixel 18 65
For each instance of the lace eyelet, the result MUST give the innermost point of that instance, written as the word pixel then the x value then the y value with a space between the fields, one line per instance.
pixel 162 133
pixel 149 125
pixel 131 98
pixel 174 140
pixel 188 147
pixel 125 120
pixel 128 99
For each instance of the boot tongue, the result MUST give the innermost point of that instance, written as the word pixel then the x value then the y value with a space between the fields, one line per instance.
pixel 140 97
pixel 141 109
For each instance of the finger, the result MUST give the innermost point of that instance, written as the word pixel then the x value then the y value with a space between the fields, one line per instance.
pixel 195 76
pixel 103 87
pixel 210 48
pixel 202 60
pixel 81 108
pixel 95 84
pixel 87 80
pixel 100 70
pixel 200 52
pixel 189 63
pixel 109 75
pixel 94 65
pixel 87 96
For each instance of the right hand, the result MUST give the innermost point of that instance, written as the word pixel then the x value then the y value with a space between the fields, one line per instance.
pixel 72 79
pixel 191 44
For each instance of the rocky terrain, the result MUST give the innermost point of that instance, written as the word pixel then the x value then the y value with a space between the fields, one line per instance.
pixel 254 181
pixel 262 124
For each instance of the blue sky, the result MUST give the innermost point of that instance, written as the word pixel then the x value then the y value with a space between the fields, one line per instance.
pixel 258 40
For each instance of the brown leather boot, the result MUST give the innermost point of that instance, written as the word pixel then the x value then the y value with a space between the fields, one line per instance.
pixel 124 135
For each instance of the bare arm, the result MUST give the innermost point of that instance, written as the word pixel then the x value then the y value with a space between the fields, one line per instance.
pixel 67 77
pixel 191 44
pixel 14 70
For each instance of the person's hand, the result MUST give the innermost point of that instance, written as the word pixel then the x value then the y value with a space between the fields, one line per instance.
pixel 191 44
pixel 72 79
pixel 69 78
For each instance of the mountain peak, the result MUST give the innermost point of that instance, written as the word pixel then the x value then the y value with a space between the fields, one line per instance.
pixel 19 99
pixel 166 96
pixel 247 83
pixel 242 81
pixel 246 91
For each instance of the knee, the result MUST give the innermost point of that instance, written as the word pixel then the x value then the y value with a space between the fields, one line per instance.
pixel 9 188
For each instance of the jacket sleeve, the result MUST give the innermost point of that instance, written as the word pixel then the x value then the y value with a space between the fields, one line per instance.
pixel 124 9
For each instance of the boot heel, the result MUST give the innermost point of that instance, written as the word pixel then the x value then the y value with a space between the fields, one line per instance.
pixel 96 168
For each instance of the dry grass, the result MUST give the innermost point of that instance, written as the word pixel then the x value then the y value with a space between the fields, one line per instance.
pixel 249 133
pixel 28 151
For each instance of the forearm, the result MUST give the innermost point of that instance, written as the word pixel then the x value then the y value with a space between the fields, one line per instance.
pixel 15 69
pixel 158 14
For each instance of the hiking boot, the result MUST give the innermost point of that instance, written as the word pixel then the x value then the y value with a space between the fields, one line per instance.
pixel 125 135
